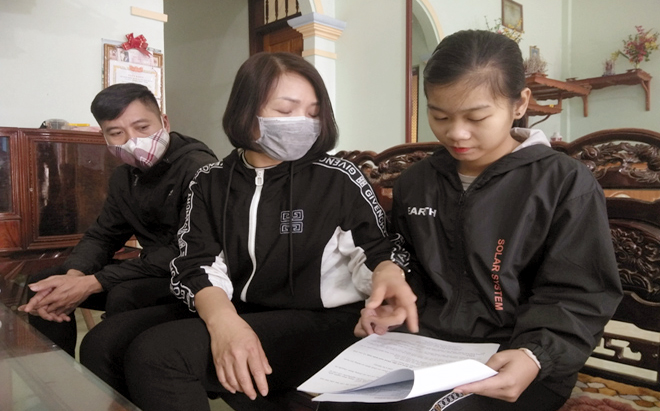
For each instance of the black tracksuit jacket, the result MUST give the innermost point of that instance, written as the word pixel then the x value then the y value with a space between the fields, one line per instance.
pixel 305 234
pixel 147 205
pixel 523 258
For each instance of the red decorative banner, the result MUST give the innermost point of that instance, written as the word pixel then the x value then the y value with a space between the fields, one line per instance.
pixel 138 42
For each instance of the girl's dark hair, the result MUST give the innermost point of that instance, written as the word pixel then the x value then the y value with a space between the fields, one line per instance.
pixel 254 81
pixel 478 56
pixel 111 102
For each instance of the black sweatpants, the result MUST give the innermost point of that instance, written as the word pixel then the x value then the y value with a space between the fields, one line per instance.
pixel 126 296
pixel 103 347
pixel 535 398
pixel 170 366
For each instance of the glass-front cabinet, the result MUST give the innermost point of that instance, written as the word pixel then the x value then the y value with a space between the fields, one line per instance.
pixel 5 177
pixel 52 186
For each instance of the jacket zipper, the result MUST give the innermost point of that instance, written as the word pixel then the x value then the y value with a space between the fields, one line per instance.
pixel 252 227
pixel 461 202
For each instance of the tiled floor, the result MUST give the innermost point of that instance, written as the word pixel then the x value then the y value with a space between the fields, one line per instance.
pixel 216 405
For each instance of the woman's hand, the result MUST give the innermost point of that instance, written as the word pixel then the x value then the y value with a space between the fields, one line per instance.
pixel 389 285
pixel 516 370
pixel 237 353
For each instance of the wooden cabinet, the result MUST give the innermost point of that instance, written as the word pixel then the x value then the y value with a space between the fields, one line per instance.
pixel 52 187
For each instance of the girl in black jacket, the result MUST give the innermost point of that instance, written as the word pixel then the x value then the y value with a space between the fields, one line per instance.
pixel 278 248
pixel 513 244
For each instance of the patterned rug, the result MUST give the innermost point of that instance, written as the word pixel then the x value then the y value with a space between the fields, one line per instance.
pixel 598 394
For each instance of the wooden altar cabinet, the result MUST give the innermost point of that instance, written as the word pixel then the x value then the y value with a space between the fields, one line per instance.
pixel 52 187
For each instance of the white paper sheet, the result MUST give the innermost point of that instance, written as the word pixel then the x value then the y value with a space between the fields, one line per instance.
pixel 396 366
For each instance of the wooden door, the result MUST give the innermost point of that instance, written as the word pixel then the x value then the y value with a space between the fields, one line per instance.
pixel 284 39
pixel 270 32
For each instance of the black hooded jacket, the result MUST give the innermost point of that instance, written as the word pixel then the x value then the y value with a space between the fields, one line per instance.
pixel 523 257
pixel 305 234
pixel 145 204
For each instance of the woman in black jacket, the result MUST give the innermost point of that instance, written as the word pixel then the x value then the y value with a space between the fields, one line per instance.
pixel 278 248
pixel 509 239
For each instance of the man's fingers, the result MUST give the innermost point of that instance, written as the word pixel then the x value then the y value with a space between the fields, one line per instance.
pixel 52 303
pixel 45 314
pixel 64 311
pixel 50 282
pixel 60 317
pixel 35 301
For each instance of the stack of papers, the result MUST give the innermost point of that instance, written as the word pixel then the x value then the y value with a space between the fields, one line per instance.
pixel 397 366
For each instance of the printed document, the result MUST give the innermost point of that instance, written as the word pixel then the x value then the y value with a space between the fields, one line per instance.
pixel 396 366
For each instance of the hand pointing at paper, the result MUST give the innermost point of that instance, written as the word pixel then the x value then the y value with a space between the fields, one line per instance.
pixel 389 286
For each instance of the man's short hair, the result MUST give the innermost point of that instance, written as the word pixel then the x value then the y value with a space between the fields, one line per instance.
pixel 111 102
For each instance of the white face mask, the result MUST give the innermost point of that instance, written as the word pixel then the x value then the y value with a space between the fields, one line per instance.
pixel 287 138
pixel 142 152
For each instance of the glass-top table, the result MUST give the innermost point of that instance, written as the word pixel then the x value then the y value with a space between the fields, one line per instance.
pixel 37 375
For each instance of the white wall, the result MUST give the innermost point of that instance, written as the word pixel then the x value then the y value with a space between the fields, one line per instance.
pixel 597 29
pixel 51 54
pixel 542 26
pixel 371 74
pixel 51 60
pixel 206 44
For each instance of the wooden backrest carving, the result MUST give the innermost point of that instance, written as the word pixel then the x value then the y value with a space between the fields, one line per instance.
pixel 627 162
pixel 382 169
pixel 619 158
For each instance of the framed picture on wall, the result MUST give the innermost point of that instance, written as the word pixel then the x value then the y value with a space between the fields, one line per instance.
pixel 512 15
pixel 534 52
pixel 131 66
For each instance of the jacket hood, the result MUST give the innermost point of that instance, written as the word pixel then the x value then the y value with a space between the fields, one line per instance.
pixel 529 137
pixel 534 147
pixel 180 145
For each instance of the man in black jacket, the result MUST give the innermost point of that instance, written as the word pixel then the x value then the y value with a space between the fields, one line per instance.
pixel 145 197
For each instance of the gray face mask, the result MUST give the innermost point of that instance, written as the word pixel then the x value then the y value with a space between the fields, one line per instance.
pixel 287 138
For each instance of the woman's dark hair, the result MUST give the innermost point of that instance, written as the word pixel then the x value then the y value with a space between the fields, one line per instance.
pixel 478 57
pixel 111 102
pixel 255 79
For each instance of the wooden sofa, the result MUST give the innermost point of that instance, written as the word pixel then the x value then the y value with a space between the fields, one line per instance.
pixel 626 162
